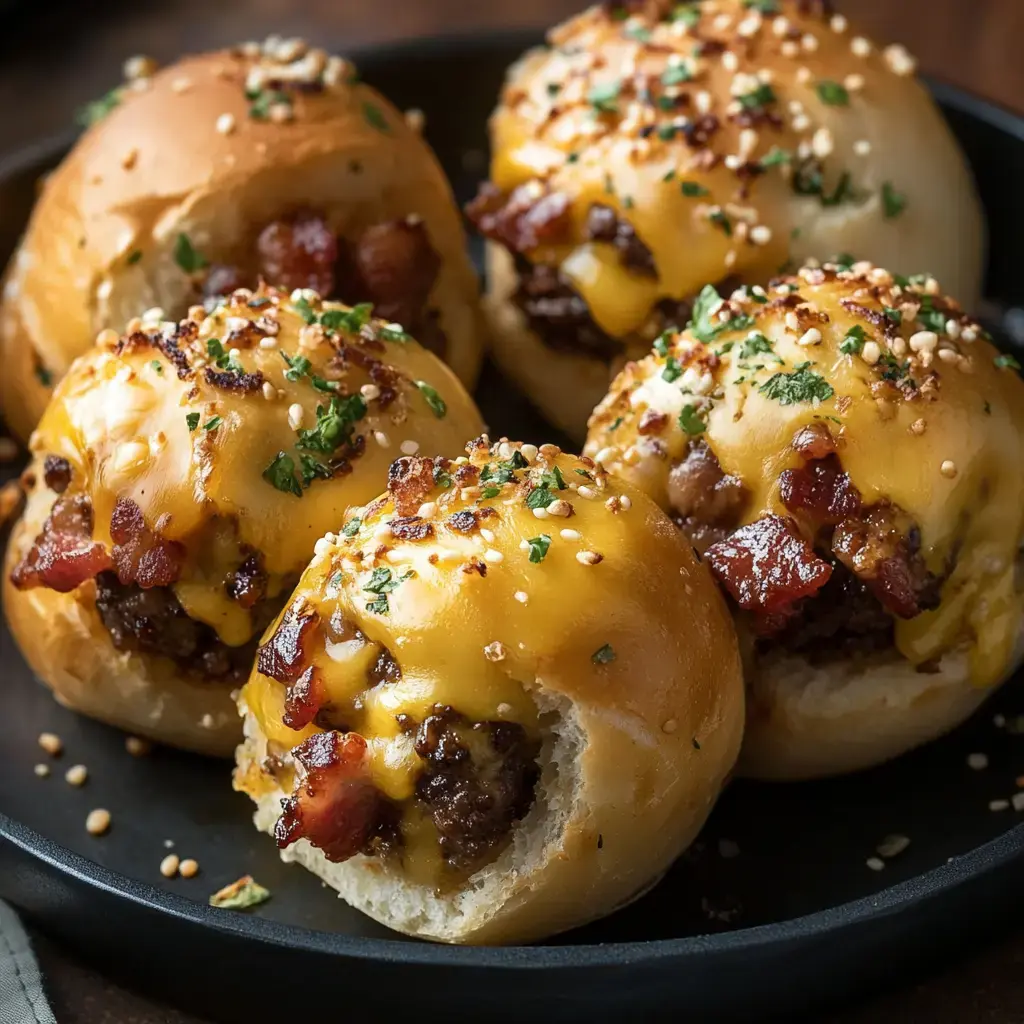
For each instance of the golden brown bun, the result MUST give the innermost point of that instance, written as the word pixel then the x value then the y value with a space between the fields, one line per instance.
pixel 151 419
pixel 182 153
pixel 926 417
pixel 637 704
pixel 573 121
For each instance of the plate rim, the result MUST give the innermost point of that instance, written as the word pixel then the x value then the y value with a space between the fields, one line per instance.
pixel 923 889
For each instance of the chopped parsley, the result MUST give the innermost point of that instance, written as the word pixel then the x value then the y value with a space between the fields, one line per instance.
pixel 931 318
pixel 583 473
pixel 701 325
pixel 133 257
pixel 334 424
pixel 639 33
pixel 603 655
pixel 688 14
pixel 775 156
pixel 157 367
pixel 809 181
pixel 382 583
pixel 661 343
pixel 298 366
pixel 539 547
pixel 1004 361
pixel 719 219
pixel 281 474
pixel 221 358
pixel 615 424
pixel 394 332
pixel 894 369
pixel 802 385
pixel 96 110
pixel 832 93
pixel 553 88
pixel 604 97
pixel 312 469
pixel 690 421
pixel 213 423
pixel 754 345
pixel 352 527
pixel 669 175
pixel 852 344
pixel 187 256
pixel 894 316
pixel 762 96
pixel 375 118
pixel 43 375
pixel 491 491
pixel 442 478
pixel 843 261
pixel 893 202
pixel 764 6
pixel 304 309
pixel 673 371
pixel 539 497
pixel 693 190
pixel 191 421
pixel 352 320
pixel 676 74
pixel 261 100
pixel 844 190
pixel 434 400
pixel 240 895
pixel 695 742
pixel 667 132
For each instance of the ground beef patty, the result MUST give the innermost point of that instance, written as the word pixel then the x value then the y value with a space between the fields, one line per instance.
pixel 479 781
pixel 152 621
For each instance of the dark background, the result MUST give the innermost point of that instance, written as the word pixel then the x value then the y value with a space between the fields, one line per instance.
pixel 64 53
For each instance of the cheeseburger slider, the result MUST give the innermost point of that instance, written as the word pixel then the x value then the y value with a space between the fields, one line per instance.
pixel 264 161
pixel 483 715
pixel 654 146
pixel 182 474
pixel 846 451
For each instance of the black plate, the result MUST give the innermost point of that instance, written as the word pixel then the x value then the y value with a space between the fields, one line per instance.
pixel 795 920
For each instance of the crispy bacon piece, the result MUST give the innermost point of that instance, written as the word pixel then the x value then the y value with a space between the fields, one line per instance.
pixel 304 699
pixel 605 225
pixel 652 422
pixel 232 380
pixel 410 480
pixel 768 568
pixel 396 268
pixel 522 220
pixel 56 473
pixel 882 548
pixel 283 655
pixel 336 805
pixel 698 487
pixel 815 441
pixel 411 528
pixel 463 521
pixel 139 555
pixel 821 490
pixel 64 555
pixel 298 253
pixel 248 583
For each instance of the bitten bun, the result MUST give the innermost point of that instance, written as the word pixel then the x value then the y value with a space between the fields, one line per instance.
pixel 172 190
pixel 543 689
pixel 653 147
pixel 181 476
pixel 846 450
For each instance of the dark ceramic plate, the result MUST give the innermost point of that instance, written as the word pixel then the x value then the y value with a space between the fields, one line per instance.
pixel 774 911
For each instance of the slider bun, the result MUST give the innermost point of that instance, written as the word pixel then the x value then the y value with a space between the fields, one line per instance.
pixel 888 137
pixel 924 416
pixel 161 164
pixel 120 418
pixel 633 749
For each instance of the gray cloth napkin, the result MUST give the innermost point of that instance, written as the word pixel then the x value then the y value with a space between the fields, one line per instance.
pixel 21 986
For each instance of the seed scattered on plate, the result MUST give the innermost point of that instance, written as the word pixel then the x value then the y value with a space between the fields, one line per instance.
pixel 892 846
pixel 240 895
pixel 875 863
pixel 979 762
pixel 137 747
pixel 42 770
pixel 168 844
pixel 169 865
pixel 1017 801
pixel 998 805
pixel 51 743
pixel 188 868
pixel 98 822
pixel 76 775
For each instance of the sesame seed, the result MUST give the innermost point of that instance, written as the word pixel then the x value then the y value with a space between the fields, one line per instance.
pixel 42 770
pixel 561 508
pixel 189 868
pixel 809 42
pixel 540 513
pixel 586 492
pixel 487 535
pixel 801 123
pixel 469 493
pixel 269 391
pixel 295 414
pixel 570 534
pixel 429 509
pixel 790 48
pixel 669 726
pixel 803 75
pixel 415 119
pixel 107 338
pixel 97 822
pixel 977 762
pixel 226 124
pixel 505 709
pixel 948 468
pixel 899 60
pixel 370 392
pixel 853 83
pixel 998 805
pixel 923 341
pixel 495 651
pixel 953 328
pixel 918 427
pixel 862 147
pixel 703 102
pixel 810 337
pixel 969 334
pixel 139 66
pixel 892 846
pixel 181 85
pixel 76 775
pixel 169 865
pixel 521 596
pixel 838 24
pixel 137 747
pixel 51 743
pixel 1017 801
pixel 493 556
pixel 948 355
pixel 382 439
pixel 875 863
pixel 322 547
pixel 761 234
pixel 780 26
pixel 860 46
pixel 871 353
pixel 588 557
pixel 529 452
pixel 822 143
pixel 268 343
pixel 409 447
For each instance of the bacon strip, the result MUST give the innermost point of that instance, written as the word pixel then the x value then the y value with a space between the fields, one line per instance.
pixel 336 805
pixel 139 555
pixel 283 655
pixel 522 220
pixel 64 555
pixel 304 699
pixel 410 480
pixel 821 489
pixel 768 568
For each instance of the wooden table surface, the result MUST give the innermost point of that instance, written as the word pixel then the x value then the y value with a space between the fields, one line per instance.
pixel 71 51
